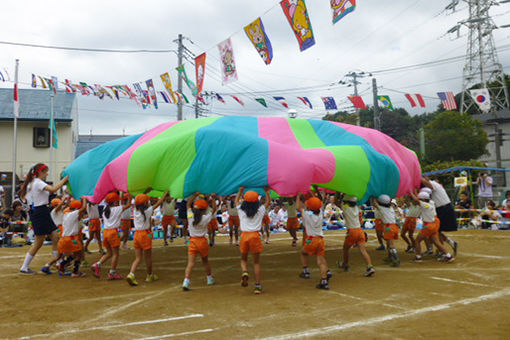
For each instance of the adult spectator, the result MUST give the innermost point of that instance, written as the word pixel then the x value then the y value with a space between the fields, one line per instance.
pixel 491 214
pixel 507 198
pixel 484 182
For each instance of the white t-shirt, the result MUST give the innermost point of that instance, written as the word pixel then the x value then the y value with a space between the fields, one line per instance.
pixel 377 213
pixel 278 217
pixel 291 209
pixel 387 215
pixel 484 188
pixel 439 195
pixel 57 217
pixel 36 194
pixel 232 211
pixel 126 214
pixel 313 223
pixel 199 230
pixel 71 225
pixel 414 211
pixel 141 222
pixel 93 211
pixel 428 211
pixel 252 223
pixel 351 216
pixel 224 217
pixel 168 208
pixel 113 221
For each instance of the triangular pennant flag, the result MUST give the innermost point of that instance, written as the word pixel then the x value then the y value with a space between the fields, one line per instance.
pixel 306 102
pixel 220 98
pixel 165 97
pixel 238 100
pixel 482 98
pixel 43 84
pixel 415 99
pixel 385 101
pixel 282 101
pixel 258 37
pixel 34 81
pixel 262 101
pixel 329 103
pixel 297 15
pixel 2 77
pixel 358 102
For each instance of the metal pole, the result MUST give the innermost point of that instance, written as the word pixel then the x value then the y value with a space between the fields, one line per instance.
pixel 376 105
pixel 179 77
pixel 15 138
pixel 51 137
pixel 196 107
pixel 422 142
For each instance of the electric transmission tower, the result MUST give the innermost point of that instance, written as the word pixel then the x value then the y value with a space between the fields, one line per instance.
pixel 482 68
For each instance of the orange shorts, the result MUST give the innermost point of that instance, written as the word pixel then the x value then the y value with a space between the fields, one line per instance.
pixel 198 245
pixel 60 229
pixel 410 224
pixel 266 220
pixel 391 232
pixel 379 225
pixel 234 221
pixel 355 236
pixel 94 224
pixel 167 220
pixel 69 244
pixel 143 239
pixel 125 225
pixel 213 225
pixel 292 223
pixel 250 241
pixel 430 228
pixel 314 245
pixel 111 238
pixel 304 236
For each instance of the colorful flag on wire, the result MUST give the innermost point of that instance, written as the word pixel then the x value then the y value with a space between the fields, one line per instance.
pixel 55 82
pixel 482 98
pixel 238 100
pixel 200 72
pixel 415 99
pixel 329 103
pixel 51 85
pixel 34 81
pixel 182 97
pixel 115 91
pixel 152 92
pixel 165 78
pixel 296 13
pixel 54 142
pixel 220 98
pixel 69 86
pixel 341 8
pixel 306 102
pixel 191 85
pixel 282 101
pixel 228 65
pixel 262 101
pixel 257 35
pixel 165 97
pixel 448 100
pixel 358 102
pixel 385 101
pixel 43 84
pixel 2 77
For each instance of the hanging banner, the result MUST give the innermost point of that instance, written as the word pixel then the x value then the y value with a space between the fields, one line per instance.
pixel 262 101
pixel 482 98
pixel 165 78
pixel 152 92
pixel 43 83
pixel 257 35
pixel 34 81
pixel 200 72
pixel 297 15
pixel 341 8
pixel 228 66
pixel 191 85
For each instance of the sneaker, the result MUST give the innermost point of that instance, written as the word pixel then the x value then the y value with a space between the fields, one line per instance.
pixel 151 278
pixel 185 285
pixel 329 274
pixel 455 245
pixel 130 278
pixel 448 259
pixel 381 247
pixel 210 281
pixel 304 275
pixel 230 242
pixel 440 257
pixel 294 243
pixel 412 251
pixel 46 270
pixel 26 271
pixel 166 243
pixel 64 273
pixel 96 270
pixel 237 243
pixel 257 290
pixel 417 259
pixel 267 241
pixel 244 279
pixel 78 275
pixel 429 252
pixel 370 271
pixel 115 276
pixel 408 249
pixel 322 286
pixel 341 265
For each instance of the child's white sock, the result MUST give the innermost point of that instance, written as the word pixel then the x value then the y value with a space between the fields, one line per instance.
pixel 26 263
pixel 54 253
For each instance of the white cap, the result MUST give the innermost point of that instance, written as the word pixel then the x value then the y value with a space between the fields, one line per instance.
pixel 426 189
pixel 384 199
pixel 394 201
pixel 350 198
pixel 424 195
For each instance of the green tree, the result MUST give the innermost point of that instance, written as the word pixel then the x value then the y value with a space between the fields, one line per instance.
pixel 454 136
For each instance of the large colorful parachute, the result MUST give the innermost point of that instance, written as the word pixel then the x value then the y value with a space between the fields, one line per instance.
pixel 220 154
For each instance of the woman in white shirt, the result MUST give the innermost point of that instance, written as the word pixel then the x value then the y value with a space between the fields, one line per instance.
pixel 37 193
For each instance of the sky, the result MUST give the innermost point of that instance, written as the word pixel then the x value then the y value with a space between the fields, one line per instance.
pixel 378 35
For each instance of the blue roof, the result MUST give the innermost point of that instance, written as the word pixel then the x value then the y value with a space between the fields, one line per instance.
pixel 35 105
pixel 87 142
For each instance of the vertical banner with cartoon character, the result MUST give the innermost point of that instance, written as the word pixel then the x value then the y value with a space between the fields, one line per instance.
pixel 341 8
pixel 257 35
pixel 200 72
pixel 228 66
pixel 297 15
pixel 165 78
pixel 152 92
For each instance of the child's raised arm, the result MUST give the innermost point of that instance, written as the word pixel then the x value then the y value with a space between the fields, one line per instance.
pixel 238 196
pixel 128 203
pixel 160 200
pixel 268 197
pixel 299 206
pixel 190 201
pixel 83 208
pixel 214 206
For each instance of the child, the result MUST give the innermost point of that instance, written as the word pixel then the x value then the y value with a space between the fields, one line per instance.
pixel 251 213
pixel 233 220
pixel 70 243
pixel 168 219
pixel 410 225
pixel 111 217
pixel 379 226
pixel 94 227
pixel 430 226
pixel 391 231
pixel 266 221
pixel 212 227
pixel 57 214
pixel 143 236
pixel 5 218
pixel 125 222
pixel 198 219
pixel 292 219
pixel 355 235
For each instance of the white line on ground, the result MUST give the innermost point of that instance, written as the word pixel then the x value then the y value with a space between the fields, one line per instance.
pixel 486 256
pixel 375 302
pixel 179 334
pixel 367 322
pixel 147 322
pixel 460 281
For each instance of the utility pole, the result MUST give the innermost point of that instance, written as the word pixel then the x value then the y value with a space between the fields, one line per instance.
pixel 179 77
pixel 377 120
pixel 52 168
pixel 196 107
pixel 354 82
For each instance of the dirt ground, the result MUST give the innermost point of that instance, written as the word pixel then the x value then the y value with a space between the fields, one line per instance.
pixel 469 298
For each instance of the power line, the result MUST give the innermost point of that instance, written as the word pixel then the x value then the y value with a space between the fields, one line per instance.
pixel 83 49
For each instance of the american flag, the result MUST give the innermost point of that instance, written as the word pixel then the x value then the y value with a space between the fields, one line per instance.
pixel 448 100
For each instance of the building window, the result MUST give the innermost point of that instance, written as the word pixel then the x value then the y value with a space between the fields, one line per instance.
pixel 41 137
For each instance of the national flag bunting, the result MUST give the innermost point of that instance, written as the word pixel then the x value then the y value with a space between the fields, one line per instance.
pixel 220 98
pixel 358 102
pixel 262 101
pixel 34 81
pixel 385 101
pixel 448 100
pixel 282 101
pixel 165 97
pixel 482 98
pixel 329 103
pixel 238 100
pixel 414 99
pixel 306 102
pixel 43 84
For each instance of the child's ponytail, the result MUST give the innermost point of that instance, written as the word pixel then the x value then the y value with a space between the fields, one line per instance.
pixel 34 171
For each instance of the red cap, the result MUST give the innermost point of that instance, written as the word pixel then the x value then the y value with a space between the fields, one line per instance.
pixel 141 199
pixel 251 196
pixel 314 203
pixel 200 204
pixel 112 197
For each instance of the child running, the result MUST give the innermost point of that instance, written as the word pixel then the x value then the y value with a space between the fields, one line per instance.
pixel 212 227
pixel 199 218
pixel 314 245
pixel 266 221
pixel 125 222
pixel 168 218
pixel 379 226
pixel 143 236
pixel 94 227
pixel 111 218
pixel 391 231
pixel 292 219
pixel 355 235
pixel 410 225
pixel 251 213
pixel 57 213
pixel 233 220
pixel 430 226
